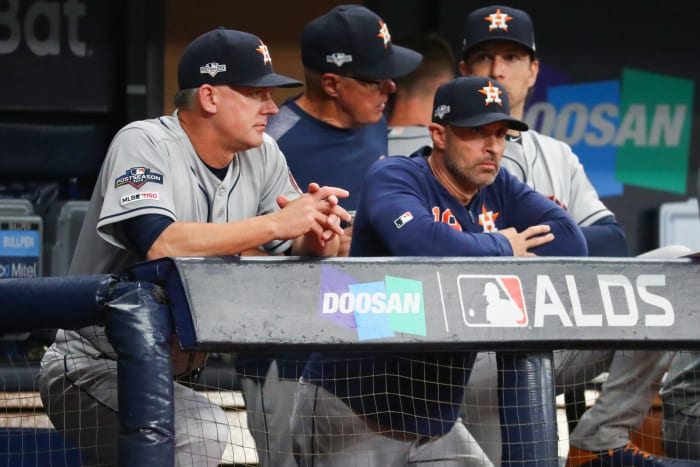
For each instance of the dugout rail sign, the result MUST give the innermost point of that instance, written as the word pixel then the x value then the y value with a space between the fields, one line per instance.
pixel 496 303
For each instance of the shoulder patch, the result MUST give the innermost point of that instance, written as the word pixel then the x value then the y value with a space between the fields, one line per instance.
pixel 138 177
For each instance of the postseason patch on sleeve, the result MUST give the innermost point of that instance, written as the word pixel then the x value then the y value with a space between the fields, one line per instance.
pixel 403 219
pixel 138 177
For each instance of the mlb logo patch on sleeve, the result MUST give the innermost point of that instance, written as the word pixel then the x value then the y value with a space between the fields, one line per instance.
pixel 403 219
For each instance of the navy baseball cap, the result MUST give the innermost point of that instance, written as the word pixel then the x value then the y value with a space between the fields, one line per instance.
pixel 498 22
pixel 229 57
pixel 351 40
pixel 473 101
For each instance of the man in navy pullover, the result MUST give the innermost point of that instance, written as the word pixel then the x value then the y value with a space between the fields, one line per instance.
pixel 451 200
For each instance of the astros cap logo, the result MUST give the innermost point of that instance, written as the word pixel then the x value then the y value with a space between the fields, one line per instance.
pixel 498 20
pixel 265 52
pixel 384 33
pixel 492 93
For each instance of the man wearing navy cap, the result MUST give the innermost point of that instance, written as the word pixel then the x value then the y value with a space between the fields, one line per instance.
pixel 376 409
pixel 331 134
pixel 203 181
pixel 336 129
pixel 499 43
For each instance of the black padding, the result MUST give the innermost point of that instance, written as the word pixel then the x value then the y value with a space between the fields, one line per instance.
pixel 53 302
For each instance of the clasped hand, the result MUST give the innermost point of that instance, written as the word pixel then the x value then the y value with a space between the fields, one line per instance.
pixel 316 211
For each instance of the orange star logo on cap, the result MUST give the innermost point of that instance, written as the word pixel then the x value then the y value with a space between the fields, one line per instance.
pixel 384 33
pixel 492 93
pixel 265 52
pixel 498 20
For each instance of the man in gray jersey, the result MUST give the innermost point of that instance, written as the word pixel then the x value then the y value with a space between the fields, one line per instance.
pixel 203 181
pixel 411 106
pixel 680 394
pixel 499 42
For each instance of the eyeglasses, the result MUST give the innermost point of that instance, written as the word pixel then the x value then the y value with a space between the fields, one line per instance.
pixel 371 84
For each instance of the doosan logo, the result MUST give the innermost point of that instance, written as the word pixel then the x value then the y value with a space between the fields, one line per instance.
pixel 374 309
pixel 365 302
pixel 623 133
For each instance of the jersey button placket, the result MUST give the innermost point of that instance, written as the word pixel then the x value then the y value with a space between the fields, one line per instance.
pixel 219 204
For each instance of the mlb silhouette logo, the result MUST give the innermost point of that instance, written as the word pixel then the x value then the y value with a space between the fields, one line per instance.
pixel 492 301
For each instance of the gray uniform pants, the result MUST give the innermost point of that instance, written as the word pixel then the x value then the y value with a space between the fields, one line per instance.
pixel 681 432
pixel 78 388
pixel 268 408
pixel 625 399
pixel 327 433
pixel 681 403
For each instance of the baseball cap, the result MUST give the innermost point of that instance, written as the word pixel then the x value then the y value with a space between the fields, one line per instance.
pixel 498 22
pixel 229 57
pixel 351 40
pixel 473 101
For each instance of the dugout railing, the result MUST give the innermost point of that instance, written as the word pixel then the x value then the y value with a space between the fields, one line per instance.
pixel 302 304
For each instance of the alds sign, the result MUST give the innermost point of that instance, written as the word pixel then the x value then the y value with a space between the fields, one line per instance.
pixel 500 301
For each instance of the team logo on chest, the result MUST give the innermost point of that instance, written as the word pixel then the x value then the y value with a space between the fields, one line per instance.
pixel 487 219
pixel 138 177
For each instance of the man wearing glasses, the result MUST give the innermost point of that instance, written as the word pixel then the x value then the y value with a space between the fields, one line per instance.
pixel 331 133
pixel 336 128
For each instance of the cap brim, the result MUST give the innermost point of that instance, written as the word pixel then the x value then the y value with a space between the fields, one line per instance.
pixel 528 46
pixel 485 119
pixel 401 62
pixel 272 80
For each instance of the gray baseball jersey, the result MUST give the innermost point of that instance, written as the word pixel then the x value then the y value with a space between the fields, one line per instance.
pixel 152 168
pixel 541 162
pixel 405 140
